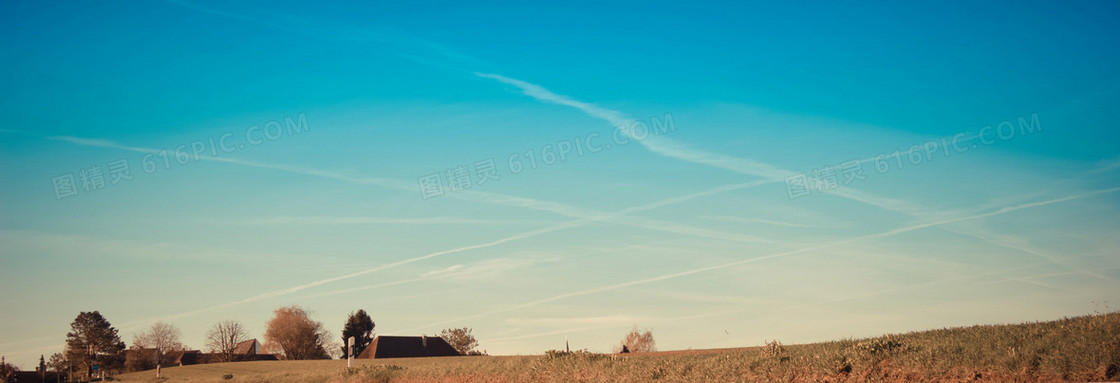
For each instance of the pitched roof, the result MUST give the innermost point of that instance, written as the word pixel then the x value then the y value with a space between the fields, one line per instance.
pixel 188 357
pixel 407 347
pixel 139 353
pixel 249 347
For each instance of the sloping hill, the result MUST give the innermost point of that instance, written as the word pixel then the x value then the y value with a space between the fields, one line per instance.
pixel 1074 349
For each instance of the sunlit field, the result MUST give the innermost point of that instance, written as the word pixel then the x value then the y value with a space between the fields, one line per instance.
pixel 1076 349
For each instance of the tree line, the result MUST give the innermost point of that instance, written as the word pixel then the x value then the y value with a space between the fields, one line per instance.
pixel 93 345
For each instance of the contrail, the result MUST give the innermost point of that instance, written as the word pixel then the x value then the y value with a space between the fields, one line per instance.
pixel 657 144
pixel 888 233
pixel 468 195
pixel 674 149
pixel 585 216
pixel 785 309
pixel 529 234
pixel 425 278
pixel 383 182
pixel 668 148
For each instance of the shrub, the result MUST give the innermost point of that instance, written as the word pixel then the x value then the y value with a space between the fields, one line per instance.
pixel 879 346
pixel 637 341
pixel 772 349
pixel 578 354
pixel 372 373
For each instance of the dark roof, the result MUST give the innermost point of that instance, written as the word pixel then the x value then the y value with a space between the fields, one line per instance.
pixel 33 376
pixel 188 357
pixel 259 357
pixel 407 347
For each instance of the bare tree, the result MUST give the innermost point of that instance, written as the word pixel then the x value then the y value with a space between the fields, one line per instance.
pixel 293 334
pixel 57 363
pixel 162 337
pixel 224 336
pixel 637 341
pixel 461 339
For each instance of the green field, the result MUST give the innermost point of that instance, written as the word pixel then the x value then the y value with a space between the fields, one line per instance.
pixel 1075 349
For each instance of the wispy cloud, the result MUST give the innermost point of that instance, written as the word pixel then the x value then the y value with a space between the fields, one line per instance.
pixel 329 220
pixel 1106 165
pixel 365 288
pixel 761 221
pixel 589 216
pixel 595 320
pixel 516 237
pixel 659 278
pixel 786 306
pixel 382 182
pixel 657 144
pixel 484 270
pixel 671 148
pixel 586 216
pixel 427 276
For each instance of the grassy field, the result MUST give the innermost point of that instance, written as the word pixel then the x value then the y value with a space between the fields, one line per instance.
pixel 1075 349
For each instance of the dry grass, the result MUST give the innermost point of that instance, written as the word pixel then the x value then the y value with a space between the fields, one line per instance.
pixel 1075 349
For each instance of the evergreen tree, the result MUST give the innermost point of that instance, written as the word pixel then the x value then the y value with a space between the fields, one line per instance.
pixel 92 340
pixel 360 326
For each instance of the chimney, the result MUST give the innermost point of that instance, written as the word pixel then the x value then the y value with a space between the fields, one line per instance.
pixel 424 340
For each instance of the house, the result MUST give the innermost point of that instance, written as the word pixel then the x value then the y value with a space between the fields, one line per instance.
pixel 250 350
pixel 249 347
pixel 189 357
pixel 140 359
pixel 407 347
pixel 243 351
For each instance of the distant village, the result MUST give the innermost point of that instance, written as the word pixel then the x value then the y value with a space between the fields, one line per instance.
pixel 140 359
pixel 95 351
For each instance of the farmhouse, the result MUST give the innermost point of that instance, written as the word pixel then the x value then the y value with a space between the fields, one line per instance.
pixel 407 347
pixel 249 347
pixel 139 359
pixel 244 351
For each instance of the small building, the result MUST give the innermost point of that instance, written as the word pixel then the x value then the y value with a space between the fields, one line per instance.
pixel 249 350
pixel 189 357
pixel 33 376
pixel 246 348
pixel 140 359
pixel 407 347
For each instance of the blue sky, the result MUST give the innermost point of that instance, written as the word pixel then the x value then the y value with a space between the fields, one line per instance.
pixel 716 199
